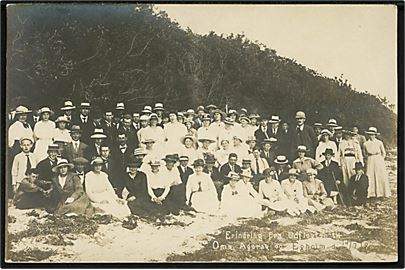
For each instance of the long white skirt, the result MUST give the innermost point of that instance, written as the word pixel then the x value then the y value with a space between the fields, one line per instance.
pixel 205 201
pixel 377 177
pixel 41 148
pixel 241 207
pixel 114 208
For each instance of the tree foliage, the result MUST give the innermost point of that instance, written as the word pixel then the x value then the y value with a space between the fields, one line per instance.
pixel 126 52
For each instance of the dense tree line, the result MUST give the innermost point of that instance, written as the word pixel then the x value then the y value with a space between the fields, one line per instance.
pixel 134 54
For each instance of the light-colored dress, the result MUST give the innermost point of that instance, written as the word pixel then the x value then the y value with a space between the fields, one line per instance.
pixel 17 131
pixel 202 194
pixel 102 195
pixel 43 132
pixel 191 153
pixel 222 156
pixel 61 135
pixel 155 133
pixel 295 193
pixel 274 196
pixel 316 194
pixel 376 170
pixel 349 154
pixel 174 132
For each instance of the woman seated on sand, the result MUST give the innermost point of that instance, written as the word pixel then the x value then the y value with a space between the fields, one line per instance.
pixel 101 192
pixel 273 195
pixel 292 188
pixel 239 199
pixel 158 190
pixel 200 190
pixel 315 192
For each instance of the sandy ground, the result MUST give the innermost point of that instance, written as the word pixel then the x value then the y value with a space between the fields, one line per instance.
pixel 154 243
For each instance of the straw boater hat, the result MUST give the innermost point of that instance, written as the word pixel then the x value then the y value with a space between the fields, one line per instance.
pixel 98 134
pixel 274 119
pixel 21 110
pixel 246 161
pixel 140 152
pixel 190 112
pixel 62 119
pixel 53 147
pixel 45 110
pixel 254 115
pixel 332 123
pixel 97 161
pixel 184 158
pixel 154 163
pixel 80 161
pixel 229 121
pixel 62 162
pixel 26 138
pixel 300 115
pixel 153 115
pixel 281 160
pixel 246 173
pixel 85 105
pixel 211 140
pixel 158 107
pixel 200 108
pixel 244 117
pixel 75 128
pixel 328 151
pixel 326 131
pixel 372 131
pixel 338 129
pixel 120 106
pixel 147 109
pixel 293 172
pixel 271 140
pixel 67 106
pixel 148 140
pixel 250 139
pixel 311 172
pixel 317 124
pixel 302 148
pixel 211 106
pixel 198 162
pixel 187 137
pixel 144 117
pixel 233 176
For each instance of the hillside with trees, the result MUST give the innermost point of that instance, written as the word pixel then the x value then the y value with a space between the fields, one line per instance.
pixel 131 53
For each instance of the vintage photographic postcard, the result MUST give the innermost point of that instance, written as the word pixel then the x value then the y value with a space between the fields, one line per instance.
pixel 179 133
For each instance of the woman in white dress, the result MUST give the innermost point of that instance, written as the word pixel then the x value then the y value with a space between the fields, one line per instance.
pixel 188 149
pixel 223 154
pixel 43 132
pixel 273 195
pixel 232 203
pixel 349 154
pixel 174 131
pixel 154 131
pixel 252 201
pixel 201 193
pixel 101 192
pixel 61 133
pixel 325 143
pixel 376 170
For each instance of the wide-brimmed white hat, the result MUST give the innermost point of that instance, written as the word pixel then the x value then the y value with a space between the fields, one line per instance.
pixel 62 162
pixel 158 107
pixel 120 106
pixel 98 134
pixel 372 131
pixel 21 110
pixel 274 119
pixel 45 110
pixel 62 119
pixel 68 105
pixel 332 123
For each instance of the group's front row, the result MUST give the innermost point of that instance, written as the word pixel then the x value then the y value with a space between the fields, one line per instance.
pixel 151 194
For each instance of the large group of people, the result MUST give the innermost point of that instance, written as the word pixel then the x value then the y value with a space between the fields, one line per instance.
pixel 158 162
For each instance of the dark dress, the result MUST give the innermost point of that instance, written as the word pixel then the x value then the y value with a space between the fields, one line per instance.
pixel 137 187
pixel 30 195
pixel 358 190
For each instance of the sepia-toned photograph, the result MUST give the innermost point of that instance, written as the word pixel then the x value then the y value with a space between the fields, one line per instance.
pixel 200 133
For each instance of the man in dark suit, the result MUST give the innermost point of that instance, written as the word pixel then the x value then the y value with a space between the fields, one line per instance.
pixel 263 132
pixel 45 166
pixel 112 168
pixel 230 166
pixel 331 176
pixel 93 150
pixel 275 130
pixel 129 130
pixel 184 170
pixel 76 148
pixel 285 141
pixel 121 152
pixel 109 126
pixel 214 173
pixel 269 151
pixel 85 121
pixel 358 186
pixel 304 135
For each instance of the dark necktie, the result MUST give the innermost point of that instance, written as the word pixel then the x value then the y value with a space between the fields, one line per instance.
pixel 257 166
pixel 199 186
pixel 28 164
pixel 26 125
